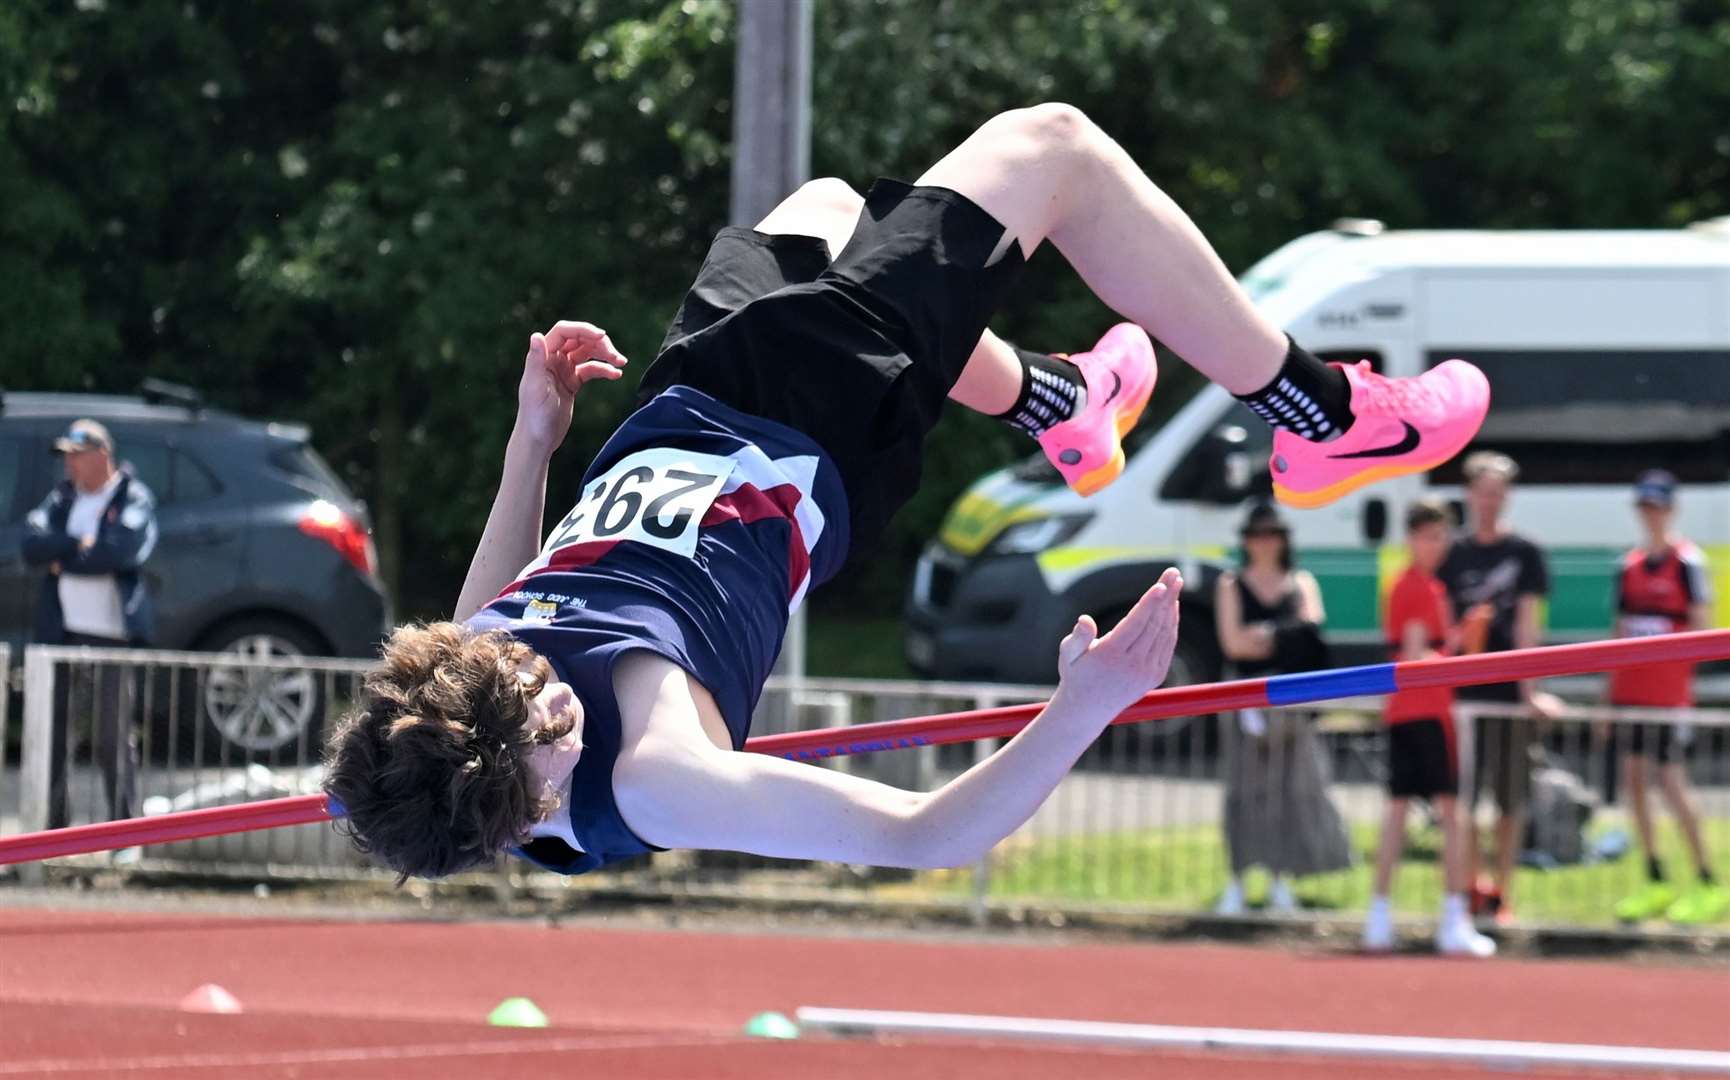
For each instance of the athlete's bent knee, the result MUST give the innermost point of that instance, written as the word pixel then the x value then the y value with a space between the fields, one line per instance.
pixel 829 193
pixel 1054 125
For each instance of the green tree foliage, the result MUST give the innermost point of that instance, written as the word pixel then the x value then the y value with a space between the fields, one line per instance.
pixel 353 215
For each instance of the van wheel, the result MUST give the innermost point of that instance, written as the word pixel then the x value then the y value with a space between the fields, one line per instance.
pixel 263 711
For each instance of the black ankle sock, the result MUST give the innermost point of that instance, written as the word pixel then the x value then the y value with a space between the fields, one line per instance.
pixel 1307 398
pixel 1052 391
pixel 1654 868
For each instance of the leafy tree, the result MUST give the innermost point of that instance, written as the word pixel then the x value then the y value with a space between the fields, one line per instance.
pixel 352 215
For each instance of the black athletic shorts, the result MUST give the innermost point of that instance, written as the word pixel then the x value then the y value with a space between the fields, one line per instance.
pixel 1662 743
pixel 859 354
pixel 1421 762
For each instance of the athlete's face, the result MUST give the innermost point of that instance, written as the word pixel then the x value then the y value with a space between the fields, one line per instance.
pixel 1429 544
pixel 554 709
pixel 1487 494
pixel 1656 518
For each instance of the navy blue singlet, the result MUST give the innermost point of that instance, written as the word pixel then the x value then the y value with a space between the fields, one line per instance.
pixel 697 533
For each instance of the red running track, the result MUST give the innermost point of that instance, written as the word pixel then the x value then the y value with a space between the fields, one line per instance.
pixel 88 995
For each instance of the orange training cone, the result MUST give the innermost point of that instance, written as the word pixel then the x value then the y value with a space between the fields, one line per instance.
pixel 210 998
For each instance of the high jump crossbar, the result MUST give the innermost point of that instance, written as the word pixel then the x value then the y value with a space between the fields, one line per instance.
pixel 968 726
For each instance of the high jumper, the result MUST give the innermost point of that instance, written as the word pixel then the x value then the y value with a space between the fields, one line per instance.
pixel 588 700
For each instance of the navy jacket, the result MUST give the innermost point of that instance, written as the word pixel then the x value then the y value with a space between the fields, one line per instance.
pixel 125 537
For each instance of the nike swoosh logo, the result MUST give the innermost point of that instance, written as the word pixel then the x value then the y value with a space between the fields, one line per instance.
pixel 1404 446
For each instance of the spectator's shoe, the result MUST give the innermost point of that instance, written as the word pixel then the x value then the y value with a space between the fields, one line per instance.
pixel 1650 901
pixel 1280 899
pixel 1379 930
pixel 1462 939
pixel 1699 905
pixel 1400 426
pixel 1119 374
pixel 1230 901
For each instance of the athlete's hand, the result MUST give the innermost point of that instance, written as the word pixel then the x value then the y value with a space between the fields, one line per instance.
pixel 558 363
pixel 1105 675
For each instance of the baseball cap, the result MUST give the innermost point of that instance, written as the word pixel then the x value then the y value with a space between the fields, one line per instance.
pixel 1655 488
pixel 84 435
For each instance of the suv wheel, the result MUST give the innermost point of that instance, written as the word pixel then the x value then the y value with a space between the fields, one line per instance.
pixel 260 710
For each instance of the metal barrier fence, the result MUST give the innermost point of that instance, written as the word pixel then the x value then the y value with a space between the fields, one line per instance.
pixel 1140 825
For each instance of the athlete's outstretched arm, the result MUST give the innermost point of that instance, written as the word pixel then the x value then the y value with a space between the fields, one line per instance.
pixel 684 792
pixel 557 365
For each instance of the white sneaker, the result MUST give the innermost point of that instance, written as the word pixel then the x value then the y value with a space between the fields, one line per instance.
pixel 1280 898
pixel 1231 901
pixel 1462 939
pixel 1379 930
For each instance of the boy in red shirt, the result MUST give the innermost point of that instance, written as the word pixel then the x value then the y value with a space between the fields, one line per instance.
pixel 1421 757
pixel 1663 589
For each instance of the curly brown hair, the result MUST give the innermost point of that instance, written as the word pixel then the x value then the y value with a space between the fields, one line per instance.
pixel 431 769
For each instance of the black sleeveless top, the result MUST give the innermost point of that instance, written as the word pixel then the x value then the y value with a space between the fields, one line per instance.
pixel 1284 610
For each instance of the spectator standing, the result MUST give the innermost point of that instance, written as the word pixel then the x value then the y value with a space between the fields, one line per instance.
pixel 93 534
pixel 1663 589
pixel 1422 758
pixel 1277 811
pixel 1497 581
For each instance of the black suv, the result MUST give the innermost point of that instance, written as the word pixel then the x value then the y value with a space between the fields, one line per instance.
pixel 262 549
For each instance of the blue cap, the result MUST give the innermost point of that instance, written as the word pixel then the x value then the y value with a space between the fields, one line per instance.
pixel 1655 488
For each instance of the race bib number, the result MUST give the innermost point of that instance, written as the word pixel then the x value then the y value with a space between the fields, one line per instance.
pixel 656 496
pixel 1645 625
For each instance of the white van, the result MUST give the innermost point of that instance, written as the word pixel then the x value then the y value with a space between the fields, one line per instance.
pixel 1607 353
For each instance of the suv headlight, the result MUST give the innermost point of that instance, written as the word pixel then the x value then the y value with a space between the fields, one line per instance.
pixel 1041 534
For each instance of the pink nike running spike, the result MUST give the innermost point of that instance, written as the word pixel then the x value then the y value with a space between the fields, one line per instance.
pixel 1400 426
pixel 1119 374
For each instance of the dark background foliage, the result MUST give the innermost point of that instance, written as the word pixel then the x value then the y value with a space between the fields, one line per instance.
pixel 353 215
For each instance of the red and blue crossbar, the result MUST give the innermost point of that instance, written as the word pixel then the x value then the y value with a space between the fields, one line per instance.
pixel 1369 680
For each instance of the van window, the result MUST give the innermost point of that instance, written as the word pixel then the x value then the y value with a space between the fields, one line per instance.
pixel 1192 478
pixel 1603 417
pixel 192 481
pixel 150 462
pixel 1189 479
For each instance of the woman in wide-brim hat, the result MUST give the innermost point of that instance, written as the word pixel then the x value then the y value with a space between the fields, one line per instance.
pixel 1277 812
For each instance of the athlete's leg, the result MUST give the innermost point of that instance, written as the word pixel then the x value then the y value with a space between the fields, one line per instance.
pixel 829 208
pixel 1393 842
pixel 1048 173
pixel 1675 781
pixel 1635 775
pixel 1510 827
pixel 1456 871
pixel 826 208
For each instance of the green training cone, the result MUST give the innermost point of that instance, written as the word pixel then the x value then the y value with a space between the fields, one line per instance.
pixel 771 1025
pixel 517 1012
